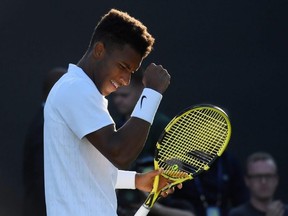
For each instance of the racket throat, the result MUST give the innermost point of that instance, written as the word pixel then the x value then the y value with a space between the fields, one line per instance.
pixel 150 200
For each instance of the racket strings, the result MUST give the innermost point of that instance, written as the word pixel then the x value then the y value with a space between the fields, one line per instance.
pixel 192 142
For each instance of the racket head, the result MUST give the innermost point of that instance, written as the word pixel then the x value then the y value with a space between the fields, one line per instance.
pixel 189 144
pixel 192 141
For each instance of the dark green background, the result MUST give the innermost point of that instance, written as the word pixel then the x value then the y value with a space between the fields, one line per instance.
pixel 229 53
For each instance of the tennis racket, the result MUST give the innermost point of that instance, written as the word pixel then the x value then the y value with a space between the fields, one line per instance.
pixel 189 144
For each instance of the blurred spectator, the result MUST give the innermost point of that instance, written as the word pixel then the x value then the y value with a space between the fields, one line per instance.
pixel 261 179
pixel 33 168
pixel 213 192
pixel 10 200
pixel 124 100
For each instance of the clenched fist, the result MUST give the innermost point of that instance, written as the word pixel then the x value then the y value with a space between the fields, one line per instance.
pixel 156 77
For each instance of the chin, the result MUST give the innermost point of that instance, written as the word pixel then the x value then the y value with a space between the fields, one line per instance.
pixel 106 93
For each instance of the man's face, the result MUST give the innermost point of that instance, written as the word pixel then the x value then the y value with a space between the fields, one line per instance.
pixel 114 69
pixel 262 179
pixel 125 98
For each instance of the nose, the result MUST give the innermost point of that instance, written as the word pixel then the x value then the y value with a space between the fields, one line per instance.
pixel 125 80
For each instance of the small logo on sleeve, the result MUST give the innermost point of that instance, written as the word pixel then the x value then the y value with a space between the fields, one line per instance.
pixel 141 101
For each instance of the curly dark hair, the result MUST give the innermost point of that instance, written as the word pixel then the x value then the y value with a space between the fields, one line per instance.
pixel 117 28
pixel 259 156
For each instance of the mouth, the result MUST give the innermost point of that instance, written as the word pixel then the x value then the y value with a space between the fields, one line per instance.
pixel 115 84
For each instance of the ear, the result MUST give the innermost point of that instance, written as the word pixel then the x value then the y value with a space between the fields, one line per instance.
pixel 98 50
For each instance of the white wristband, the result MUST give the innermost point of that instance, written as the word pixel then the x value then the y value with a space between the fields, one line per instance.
pixel 125 179
pixel 147 105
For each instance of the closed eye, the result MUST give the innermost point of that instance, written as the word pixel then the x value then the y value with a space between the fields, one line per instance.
pixel 123 66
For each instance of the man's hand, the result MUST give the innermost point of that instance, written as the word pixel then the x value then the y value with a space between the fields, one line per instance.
pixel 276 208
pixel 144 182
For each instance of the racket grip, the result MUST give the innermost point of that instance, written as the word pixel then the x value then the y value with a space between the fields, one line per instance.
pixel 142 211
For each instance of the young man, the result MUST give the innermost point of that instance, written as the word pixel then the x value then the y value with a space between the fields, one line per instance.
pixel 262 180
pixel 82 149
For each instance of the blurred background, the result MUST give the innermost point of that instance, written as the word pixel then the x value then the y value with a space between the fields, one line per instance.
pixel 229 53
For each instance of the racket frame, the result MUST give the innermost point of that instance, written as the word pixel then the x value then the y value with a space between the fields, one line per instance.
pixel 155 193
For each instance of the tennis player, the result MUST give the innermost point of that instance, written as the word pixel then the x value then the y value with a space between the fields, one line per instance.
pixel 83 152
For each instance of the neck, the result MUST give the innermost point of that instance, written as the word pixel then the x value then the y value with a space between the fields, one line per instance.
pixel 261 205
pixel 85 67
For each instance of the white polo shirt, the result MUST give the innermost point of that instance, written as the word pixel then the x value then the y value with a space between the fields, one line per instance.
pixel 79 180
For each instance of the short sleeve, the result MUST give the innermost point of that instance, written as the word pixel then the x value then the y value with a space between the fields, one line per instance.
pixel 82 107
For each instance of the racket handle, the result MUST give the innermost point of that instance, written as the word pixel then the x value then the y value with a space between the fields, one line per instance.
pixel 142 211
